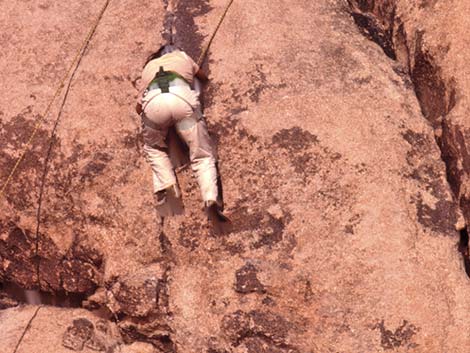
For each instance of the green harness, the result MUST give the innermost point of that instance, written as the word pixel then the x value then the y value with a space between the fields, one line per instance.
pixel 162 80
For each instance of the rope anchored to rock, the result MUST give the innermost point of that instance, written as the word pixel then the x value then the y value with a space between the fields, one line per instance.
pixel 206 48
pixel 41 118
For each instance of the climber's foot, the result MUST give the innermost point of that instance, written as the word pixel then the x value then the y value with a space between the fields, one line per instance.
pixel 168 202
pixel 220 223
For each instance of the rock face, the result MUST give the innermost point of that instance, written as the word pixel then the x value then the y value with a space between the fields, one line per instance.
pixel 424 37
pixel 49 329
pixel 344 169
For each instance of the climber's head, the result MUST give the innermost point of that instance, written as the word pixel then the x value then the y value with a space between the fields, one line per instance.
pixel 164 49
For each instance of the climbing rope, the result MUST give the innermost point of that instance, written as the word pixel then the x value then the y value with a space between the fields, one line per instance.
pixel 85 42
pixel 28 326
pixel 206 48
pixel 42 117
pixel 47 159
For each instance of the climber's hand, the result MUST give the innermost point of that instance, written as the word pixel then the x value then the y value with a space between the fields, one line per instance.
pixel 201 75
pixel 138 108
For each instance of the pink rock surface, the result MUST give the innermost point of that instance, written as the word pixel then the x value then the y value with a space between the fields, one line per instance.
pixel 345 225
pixel 36 329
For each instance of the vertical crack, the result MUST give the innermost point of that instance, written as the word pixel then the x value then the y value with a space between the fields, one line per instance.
pixel 378 21
pixel 463 248
pixel 168 31
pixel 187 35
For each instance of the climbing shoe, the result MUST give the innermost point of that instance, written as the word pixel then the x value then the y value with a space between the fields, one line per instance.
pixel 168 202
pixel 220 223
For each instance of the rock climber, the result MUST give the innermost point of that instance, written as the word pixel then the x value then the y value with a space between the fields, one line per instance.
pixel 167 99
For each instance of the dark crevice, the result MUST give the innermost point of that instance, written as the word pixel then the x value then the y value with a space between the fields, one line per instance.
pixel 378 21
pixel 60 299
pixel 434 95
pixel 161 341
pixel 168 23
pixel 79 270
pixel 186 32
pixel 376 33
pixel 463 249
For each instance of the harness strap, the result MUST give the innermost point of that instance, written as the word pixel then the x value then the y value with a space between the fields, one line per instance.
pixel 162 80
pixel 149 123
pixel 155 126
pixel 199 113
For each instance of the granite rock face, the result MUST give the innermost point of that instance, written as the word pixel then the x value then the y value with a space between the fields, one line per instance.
pixel 424 37
pixel 48 329
pixel 343 166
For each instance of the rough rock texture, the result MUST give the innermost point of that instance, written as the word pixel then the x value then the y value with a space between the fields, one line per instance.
pixel 331 156
pixel 48 329
pixel 7 301
pixel 425 37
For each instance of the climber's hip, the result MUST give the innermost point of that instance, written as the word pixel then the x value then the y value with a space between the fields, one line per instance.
pixel 163 110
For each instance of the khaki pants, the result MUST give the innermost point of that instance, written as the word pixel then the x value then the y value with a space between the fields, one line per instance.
pixel 179 108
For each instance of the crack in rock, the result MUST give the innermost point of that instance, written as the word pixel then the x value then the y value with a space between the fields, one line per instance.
pixel 379 21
